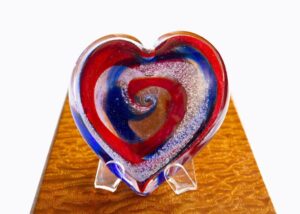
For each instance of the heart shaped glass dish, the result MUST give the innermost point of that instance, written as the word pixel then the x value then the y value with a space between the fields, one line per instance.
pixel 141 110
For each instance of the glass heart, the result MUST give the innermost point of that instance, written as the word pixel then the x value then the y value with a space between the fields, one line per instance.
pixel 145 109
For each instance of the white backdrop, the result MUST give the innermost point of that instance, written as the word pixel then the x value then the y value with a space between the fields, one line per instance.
pixel 40 42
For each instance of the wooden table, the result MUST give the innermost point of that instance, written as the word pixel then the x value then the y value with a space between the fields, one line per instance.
pixel 228 178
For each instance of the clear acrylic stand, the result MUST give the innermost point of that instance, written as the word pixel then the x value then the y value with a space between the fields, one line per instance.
pixel 180 178
pixel 105 179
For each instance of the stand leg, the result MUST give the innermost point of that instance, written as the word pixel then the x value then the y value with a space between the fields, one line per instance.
pixel 181 178
pixel 105 179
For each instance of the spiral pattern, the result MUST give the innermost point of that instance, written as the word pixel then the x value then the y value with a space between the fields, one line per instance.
pixel 145 109
pixel 158 105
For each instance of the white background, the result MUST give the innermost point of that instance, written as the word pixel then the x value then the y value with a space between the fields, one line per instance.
pixel 40 42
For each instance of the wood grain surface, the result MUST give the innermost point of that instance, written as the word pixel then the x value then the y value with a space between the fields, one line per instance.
pixel 228 178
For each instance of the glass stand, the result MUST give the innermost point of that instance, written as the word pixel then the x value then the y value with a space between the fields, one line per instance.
pixel 105 179
pixel 180 178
